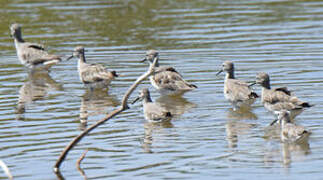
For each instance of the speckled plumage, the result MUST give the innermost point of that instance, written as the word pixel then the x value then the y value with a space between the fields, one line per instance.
pixel 153 112
pixel 237 92
pixel 166 79
pixel 276 100
pixel 291 133
pixel 92 75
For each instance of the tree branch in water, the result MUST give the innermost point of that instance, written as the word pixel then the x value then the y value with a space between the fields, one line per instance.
pixel 124 106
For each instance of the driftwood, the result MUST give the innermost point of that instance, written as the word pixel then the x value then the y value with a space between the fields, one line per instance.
pixel 124 106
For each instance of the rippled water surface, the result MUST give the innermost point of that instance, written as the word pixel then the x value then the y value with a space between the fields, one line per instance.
pixel 40 113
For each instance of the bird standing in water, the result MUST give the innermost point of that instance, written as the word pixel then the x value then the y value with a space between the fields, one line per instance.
pixel 166 79
pixel 291 133
pixel 94 76
pixel 32 55
pixel 237 92
pixel 153 112
pixel 276 100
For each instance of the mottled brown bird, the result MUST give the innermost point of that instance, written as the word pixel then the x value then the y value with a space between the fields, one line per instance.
pixel 291 133
pixel 237 92
pixel 276 100
pixel 153 112
pixel 94 76
pixel 166 79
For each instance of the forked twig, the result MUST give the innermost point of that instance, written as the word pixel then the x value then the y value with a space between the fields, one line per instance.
pixel 78 164
pixel 124 106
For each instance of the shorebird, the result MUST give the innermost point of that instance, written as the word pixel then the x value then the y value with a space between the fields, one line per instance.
pixel 94 76
pixel 153 112
pixel 166 79
pixel 237 92
pixel 276 100
pixel 291 133
pixel 32 55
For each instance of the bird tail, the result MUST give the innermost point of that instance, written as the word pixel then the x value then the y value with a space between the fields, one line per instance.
pixel 253 95
pixel 114 73
pixel 168 114
pixel 192 86
pixel 306 104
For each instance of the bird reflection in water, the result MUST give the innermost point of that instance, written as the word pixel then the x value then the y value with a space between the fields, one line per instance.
pixel 294 139
pixel 295 152
pixel 285 153
pixel 152 131
pixel 177 105
pixel 244 112
pixel 235 127
pixel 37 86
pixel 94 103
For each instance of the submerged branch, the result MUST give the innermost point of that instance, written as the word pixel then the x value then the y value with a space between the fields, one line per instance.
pixel 124 106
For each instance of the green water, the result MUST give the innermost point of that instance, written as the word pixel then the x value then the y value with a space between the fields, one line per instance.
pixel 206 139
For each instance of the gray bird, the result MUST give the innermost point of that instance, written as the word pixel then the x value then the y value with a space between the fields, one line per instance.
pixel 291 133
pixel 166 79
pixel 237 92
pixel 276 100
pixel 94 76
pixel 32 55
pixel 153 112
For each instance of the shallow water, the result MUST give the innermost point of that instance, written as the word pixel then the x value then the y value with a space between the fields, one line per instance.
pixel 40 114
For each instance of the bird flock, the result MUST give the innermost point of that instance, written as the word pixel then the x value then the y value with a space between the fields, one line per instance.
pixel 167 81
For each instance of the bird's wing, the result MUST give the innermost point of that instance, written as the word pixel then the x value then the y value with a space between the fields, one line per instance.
pixel 284 105
pixel 36 54
pixel 95 73
pixel 284 90
pixel 282 98
pixel 169 78
pixel 294 132
pixel 166 68
pixel 238 90
pixel 36 46
pixel 274 96
pixel 156 112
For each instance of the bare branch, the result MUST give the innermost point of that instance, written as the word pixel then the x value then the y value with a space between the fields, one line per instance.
pixel 124 106
pixel 78 164
pixel 150 71
pixel 6 169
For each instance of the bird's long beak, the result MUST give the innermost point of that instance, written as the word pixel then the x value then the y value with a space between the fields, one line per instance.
pixel 143 60
pixel 69 58
pixel 274 121
pixel 133 102
pixel 219 72
pixel 253 83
